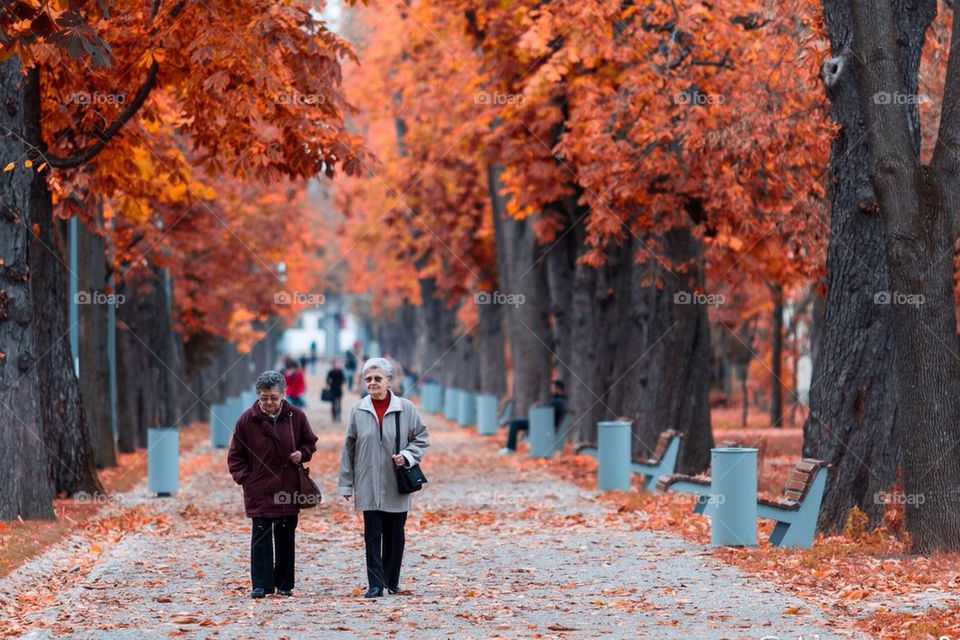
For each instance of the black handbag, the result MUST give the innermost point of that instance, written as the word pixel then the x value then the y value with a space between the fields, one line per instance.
pixel 308 493
pixel 409 479
pixel 326 395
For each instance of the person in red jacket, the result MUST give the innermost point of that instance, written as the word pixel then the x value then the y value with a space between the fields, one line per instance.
pixel 296 383
pixel 269 440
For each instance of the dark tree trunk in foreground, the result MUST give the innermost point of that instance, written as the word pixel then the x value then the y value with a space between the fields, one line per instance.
pixel 853 393
pixel 25 487
pixel 71 465
pixel 917 203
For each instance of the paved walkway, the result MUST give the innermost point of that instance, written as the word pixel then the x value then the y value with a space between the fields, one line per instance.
pixel 493 551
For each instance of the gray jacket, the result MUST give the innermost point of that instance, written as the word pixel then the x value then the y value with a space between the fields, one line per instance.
pixel 366 464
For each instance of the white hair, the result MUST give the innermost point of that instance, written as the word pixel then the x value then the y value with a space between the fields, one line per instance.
pixel 378 363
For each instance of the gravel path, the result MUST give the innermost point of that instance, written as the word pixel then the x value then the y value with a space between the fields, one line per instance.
pixel 493 551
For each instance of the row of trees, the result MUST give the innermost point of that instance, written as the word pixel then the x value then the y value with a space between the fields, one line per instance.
pixel 180 134
pixel 607 167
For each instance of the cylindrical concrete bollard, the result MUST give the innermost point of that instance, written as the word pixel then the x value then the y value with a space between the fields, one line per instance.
pixel 467 415
pixel 451 403
pixel 542 432
pixel 220 428
pixel 487 414
pixel 432 397
pixel 163 460
pixel 734 491
pixel 613 456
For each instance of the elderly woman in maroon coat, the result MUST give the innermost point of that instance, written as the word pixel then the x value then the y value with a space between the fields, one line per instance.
pixel 270 438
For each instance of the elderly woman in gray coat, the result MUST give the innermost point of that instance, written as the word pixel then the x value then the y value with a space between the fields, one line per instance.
pixel 367 470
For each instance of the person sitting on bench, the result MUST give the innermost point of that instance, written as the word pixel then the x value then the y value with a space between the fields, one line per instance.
pixel 559 403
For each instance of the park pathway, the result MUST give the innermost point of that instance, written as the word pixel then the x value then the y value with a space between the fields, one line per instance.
pixel 494 550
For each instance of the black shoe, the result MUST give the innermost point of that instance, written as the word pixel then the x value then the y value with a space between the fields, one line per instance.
pixel 374 592
pixel 393 590
pixel 258 593
pixel 285 592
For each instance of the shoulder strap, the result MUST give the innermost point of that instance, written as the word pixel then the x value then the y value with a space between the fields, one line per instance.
pixel 397 421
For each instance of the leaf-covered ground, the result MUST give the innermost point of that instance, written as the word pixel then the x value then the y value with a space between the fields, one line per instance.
pixel 497 547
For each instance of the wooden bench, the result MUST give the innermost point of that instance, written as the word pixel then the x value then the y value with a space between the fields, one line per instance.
pixel 795 512
pixel 662 462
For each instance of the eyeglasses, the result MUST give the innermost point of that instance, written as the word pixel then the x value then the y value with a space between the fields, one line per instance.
pixel 269 398
pixel 373 378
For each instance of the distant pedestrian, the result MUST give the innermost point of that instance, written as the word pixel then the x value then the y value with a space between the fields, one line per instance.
pixel 335 381
pixel 367 471
pixel 269 440
pixel 558 400
pixel 296 383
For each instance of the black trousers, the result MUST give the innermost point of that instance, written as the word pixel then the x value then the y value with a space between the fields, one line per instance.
pixel 515 426
pixel 383 537
pixel 269 570
pixel 335 408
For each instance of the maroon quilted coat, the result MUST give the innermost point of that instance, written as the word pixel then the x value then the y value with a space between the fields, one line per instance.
pixel 259 459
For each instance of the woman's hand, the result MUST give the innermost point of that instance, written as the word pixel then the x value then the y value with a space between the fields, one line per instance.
pixel 295 457
pixel 399 461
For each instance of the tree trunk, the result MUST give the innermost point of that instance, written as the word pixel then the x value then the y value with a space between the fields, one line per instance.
pixel 72 466
pixel 436 335
pixel 662 355
pixel 915 202
pixel 776 359
pixel 491 350
pixel 523 275
pixel 94 365
pixel 593 308
pixel 25 488
pixel 853 393
pixel 152 384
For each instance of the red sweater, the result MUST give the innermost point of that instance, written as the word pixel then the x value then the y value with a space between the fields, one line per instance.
pixel 380 406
